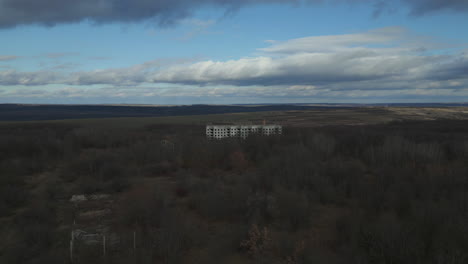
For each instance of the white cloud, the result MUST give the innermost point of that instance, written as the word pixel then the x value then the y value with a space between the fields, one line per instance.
pixel 57 55
pixel 314 68
pixel 13 77
pixel 197 27
pixel 8 57
pixel 384 36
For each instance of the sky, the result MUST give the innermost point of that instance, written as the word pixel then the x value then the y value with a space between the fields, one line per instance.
pixel 233 51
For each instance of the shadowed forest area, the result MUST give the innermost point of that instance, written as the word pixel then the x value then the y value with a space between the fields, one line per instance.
pixel 387 193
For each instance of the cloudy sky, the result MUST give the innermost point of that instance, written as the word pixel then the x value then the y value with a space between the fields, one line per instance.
pixel 226 51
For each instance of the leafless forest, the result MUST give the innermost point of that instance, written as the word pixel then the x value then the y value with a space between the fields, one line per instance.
pixel 381 193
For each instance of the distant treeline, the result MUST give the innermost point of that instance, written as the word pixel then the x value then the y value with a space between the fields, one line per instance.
pixel 18 112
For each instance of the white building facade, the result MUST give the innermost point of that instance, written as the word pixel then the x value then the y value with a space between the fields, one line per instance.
pixel 241 131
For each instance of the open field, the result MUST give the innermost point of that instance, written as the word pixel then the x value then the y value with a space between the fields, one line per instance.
pixel 12 112
pixel 291 115
pixel 304 118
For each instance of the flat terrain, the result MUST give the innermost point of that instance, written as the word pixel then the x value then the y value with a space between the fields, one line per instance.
pixel 292 118
pixel 16 112
pixel 289 115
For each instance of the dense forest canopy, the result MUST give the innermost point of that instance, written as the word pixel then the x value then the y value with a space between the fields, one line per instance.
pixel 389 193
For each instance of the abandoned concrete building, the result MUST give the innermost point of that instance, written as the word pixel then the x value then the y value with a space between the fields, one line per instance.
pixel 241 131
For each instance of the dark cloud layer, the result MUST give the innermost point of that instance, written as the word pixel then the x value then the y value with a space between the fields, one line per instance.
pixel 421 7
pixel 163 12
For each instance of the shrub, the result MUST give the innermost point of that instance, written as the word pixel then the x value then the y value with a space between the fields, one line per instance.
pixel 258 242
